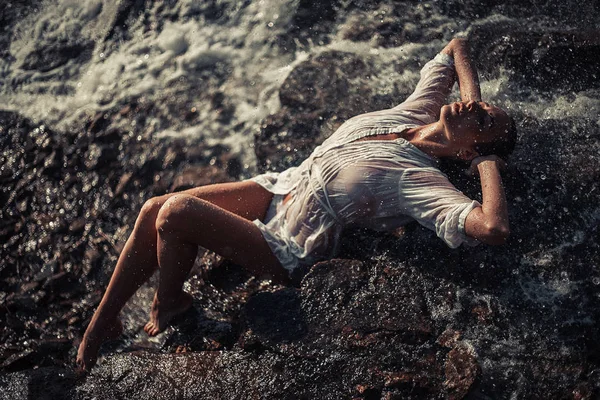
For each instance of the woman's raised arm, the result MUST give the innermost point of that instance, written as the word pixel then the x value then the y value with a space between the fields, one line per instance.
pixel 468 81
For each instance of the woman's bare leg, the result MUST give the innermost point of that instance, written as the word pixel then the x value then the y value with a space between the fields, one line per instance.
pixel 138 260
pixel 185 222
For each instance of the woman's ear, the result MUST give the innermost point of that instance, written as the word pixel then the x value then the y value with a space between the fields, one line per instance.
pixel 467 154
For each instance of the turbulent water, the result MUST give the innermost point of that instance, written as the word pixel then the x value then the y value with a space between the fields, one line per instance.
pixel 177 54
pixel 218 82
pixel 169 63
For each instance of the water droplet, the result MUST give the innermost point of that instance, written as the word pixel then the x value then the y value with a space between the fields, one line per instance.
pixel 543 177
pixel 596 281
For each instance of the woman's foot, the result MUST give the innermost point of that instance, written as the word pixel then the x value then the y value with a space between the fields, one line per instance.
pixel 162 312
pixel 94 336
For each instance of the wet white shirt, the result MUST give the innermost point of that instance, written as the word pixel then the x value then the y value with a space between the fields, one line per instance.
pixel 379 184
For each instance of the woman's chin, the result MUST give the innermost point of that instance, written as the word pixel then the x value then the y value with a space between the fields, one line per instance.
pixel 446 115
pixel 445 110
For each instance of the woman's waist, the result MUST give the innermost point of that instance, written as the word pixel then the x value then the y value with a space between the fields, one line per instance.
pixel 287 198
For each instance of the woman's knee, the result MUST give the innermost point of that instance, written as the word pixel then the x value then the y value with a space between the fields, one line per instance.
pixel 173 211
pixel 150 210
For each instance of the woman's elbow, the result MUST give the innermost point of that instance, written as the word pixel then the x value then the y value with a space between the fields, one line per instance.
pixel 460 41
pixel 496 235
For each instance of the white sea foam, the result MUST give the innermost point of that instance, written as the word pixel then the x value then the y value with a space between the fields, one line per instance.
pixel 148 64
pixel 241 47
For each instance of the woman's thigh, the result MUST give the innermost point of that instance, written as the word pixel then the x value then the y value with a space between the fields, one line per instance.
pixel 213 227
pixel 247 199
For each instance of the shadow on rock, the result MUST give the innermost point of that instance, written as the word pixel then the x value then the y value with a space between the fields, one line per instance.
pixel 276 316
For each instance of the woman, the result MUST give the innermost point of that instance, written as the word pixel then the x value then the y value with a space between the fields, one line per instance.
pixel 377 170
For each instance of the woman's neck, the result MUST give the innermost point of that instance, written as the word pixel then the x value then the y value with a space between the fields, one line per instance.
pixel 430 139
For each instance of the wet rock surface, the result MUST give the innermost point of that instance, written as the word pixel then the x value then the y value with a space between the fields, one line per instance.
pixel 68 201
pixel 546 59
pixel 395 316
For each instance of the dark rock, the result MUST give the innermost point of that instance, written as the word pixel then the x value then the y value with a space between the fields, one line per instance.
pixel 100 156
pixel 98 123
pixel 172 157
pixel 43 383
pixel 468 9
pixel 317 96
pixel 276 316
pixel 77 225
pixel 65 201
pixel 108 136
pixel 322 81
pixel 197 332
pixel 286 138
pixel 448 338
pixel 123 181
pixel 58 282
pixel 461 371
pixel 555 60
pixel 545 13
pixel 342 343
pixel 313 20
pixel 56 54
pixel 22 301
pixel 18 361
pixel 341 298
pixel 198 176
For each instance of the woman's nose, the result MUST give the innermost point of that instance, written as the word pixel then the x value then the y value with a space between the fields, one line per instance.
pixel 472 104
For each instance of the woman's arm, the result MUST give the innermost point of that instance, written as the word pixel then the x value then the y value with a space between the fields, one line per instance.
pixel 468 81
pixel 489 223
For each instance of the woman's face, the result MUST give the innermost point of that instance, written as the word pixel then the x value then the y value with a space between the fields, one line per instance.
pixel 469 123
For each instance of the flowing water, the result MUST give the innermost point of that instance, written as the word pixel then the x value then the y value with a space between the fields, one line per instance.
pixel 173 54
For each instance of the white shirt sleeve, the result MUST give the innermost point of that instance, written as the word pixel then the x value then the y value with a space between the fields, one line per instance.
pixel 437 79
pixel 427 195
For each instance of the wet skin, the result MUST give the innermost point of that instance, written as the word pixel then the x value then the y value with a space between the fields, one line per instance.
pixel 468 123
pixel 167 234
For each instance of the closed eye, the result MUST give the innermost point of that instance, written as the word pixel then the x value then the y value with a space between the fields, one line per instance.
pixel 482 120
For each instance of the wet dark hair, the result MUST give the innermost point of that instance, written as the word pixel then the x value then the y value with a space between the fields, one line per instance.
pixel 503 146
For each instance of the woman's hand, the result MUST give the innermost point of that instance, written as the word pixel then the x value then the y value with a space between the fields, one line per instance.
pixel 477 161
